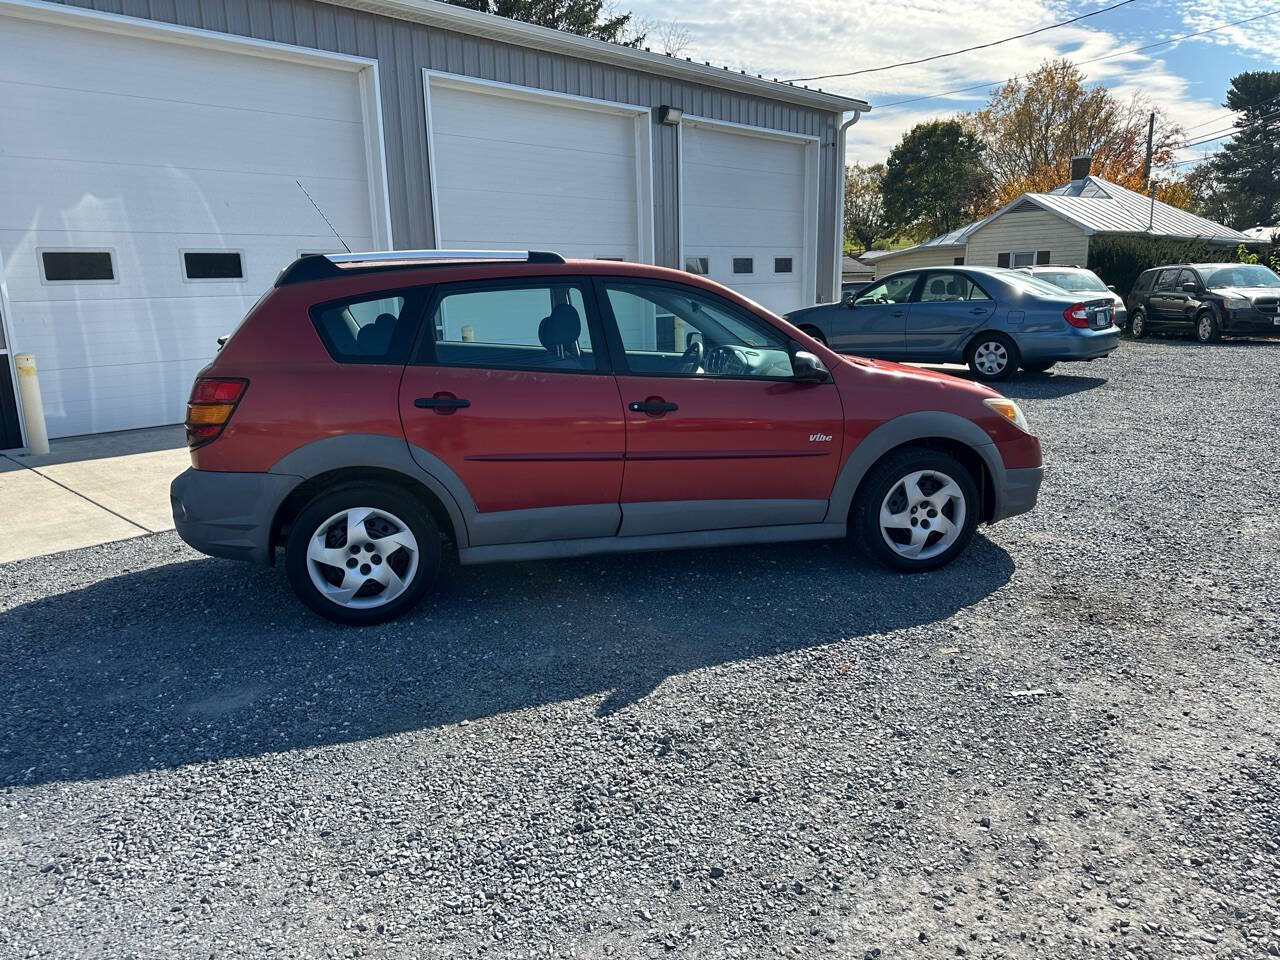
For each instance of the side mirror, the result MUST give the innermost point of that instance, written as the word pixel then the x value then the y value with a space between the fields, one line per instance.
pixel 1191 288
pixel 1111 287
pixel 807 368
pixel 847 299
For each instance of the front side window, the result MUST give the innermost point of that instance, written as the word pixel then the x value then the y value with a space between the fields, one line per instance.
pixel 367 330
pixel 1188 276
pixel 534 326
pixel 1166 280
pixel 895 289
pixel 676 331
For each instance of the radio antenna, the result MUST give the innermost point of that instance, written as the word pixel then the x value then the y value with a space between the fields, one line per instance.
pixel 321 212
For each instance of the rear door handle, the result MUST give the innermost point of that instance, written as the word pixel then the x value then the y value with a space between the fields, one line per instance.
pixel 441 403
pixel 898 313
pixel 978 310
pixel 652 406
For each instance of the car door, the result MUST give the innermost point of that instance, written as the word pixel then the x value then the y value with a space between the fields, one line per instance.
pixel 874 323
pixel 1162 304
pixel 509 400
pixel 1189 296
pixel 720 434
pixel 946 308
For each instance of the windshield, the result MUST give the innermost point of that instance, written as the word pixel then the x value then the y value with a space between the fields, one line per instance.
pixel 1073 280
pixel 1026 283
pixel 1241 275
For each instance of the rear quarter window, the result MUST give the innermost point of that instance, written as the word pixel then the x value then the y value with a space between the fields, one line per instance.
pixel 371 328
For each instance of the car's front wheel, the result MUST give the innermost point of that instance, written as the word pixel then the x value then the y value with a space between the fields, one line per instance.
pixel 993 356
pixel 916 510
pixel 1207 329
pixel 362 554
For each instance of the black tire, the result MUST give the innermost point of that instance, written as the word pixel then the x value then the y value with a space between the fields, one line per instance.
pixel 995 341
pixel 1138 325
pixel 402 507
pixel 815 333
pixel 1207 329
pixel 1037 367
pixel 881 481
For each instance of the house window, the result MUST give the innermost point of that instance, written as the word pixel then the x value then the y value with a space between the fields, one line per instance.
pixel 212 265
pixel 1023 259
pixel 744 265
pixel 781 264
pixel 699 265
pixel 1043 258
pixel 77 266
pixel 958 261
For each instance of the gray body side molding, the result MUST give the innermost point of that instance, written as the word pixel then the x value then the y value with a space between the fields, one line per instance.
pixel 390 453
pixel 922 425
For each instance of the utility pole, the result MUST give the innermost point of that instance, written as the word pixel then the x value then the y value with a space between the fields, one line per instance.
pixel 1146 171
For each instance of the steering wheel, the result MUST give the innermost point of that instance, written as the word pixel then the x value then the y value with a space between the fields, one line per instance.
pixel 691 360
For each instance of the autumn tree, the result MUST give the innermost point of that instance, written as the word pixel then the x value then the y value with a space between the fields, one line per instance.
pixel 864 217
pixel 1032 127
pixel 597 19
pixel 935 179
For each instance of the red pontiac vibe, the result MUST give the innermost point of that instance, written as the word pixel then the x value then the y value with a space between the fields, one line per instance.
pixel 373 407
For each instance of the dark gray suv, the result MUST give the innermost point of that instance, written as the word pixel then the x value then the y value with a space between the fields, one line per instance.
pixel 1207 300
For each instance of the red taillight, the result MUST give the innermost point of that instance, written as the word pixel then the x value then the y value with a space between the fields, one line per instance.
pixel 213 400
pixel 1076 315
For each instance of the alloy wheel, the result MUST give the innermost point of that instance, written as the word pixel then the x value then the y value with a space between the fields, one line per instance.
pixel 1204 328
pixel 991 357
pixel 362 557
pixel 922 515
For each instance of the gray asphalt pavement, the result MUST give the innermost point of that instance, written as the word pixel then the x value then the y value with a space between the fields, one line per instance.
pixel 1064 745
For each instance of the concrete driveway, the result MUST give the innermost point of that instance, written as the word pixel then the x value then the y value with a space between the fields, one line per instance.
pixel 89 490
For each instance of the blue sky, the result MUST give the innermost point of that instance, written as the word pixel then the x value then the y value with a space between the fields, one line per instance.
pixel 803 38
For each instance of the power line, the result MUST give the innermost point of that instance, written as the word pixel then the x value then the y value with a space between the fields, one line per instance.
pixel 1110 56
pixel 1232 113
pixel 980 46
pixel 1229 131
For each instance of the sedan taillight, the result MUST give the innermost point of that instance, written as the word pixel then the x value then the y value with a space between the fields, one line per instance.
pixel 1077 316
pixel 213 400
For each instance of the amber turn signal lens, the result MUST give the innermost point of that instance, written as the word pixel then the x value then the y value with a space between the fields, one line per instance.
pixel 209 412
pixel 1009 410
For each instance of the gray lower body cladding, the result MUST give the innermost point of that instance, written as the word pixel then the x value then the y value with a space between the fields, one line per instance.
pixel 226 514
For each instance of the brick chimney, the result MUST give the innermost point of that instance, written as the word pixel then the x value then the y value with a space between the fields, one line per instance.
pixel 1080 167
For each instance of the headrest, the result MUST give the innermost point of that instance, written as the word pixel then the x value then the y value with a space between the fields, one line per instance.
pixel 937 285
pixel 560 329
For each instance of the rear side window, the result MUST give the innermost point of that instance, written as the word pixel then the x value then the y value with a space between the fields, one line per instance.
pixel 372 329
pixel 540 325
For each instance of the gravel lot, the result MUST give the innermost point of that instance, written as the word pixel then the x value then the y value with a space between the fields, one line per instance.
pixel 744 752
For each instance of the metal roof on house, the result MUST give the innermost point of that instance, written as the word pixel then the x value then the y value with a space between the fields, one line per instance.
pixel 1100 206
pixel 462 20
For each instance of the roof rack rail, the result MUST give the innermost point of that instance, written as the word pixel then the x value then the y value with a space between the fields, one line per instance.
pixel 325 266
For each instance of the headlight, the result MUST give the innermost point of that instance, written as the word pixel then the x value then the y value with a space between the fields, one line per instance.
pixel 1009 410
pixel 1239 303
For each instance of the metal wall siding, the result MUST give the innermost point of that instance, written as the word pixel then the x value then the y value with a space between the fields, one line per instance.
pixel 403 49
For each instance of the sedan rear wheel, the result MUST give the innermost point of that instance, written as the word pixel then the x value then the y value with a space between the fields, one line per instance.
pixel 916 510
pixel 993 356
pixel 362 554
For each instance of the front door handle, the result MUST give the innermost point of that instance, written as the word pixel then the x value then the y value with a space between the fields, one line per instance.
pixel 977 311
pixel 442 403
pixel 898 313
pixel 652 406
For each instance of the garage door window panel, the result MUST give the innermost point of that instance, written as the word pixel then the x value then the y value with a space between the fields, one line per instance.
pixel 528 326
pixel 670 331
pixel 77 266
pixel 212 265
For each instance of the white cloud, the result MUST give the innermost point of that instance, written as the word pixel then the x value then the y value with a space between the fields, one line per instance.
pixel 784 39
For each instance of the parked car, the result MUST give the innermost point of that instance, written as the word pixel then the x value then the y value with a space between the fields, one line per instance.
pixel 372 407
pixel 1082 281
pixel 992 318
pixel 1206 300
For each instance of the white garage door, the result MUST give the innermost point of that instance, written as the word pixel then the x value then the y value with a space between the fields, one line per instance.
pixel 749 203
pixel 512 170
pixel 148 197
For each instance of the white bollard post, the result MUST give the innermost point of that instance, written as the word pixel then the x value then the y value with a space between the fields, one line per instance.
pixel 32 408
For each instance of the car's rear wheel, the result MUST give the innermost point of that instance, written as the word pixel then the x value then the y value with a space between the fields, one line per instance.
pixel 916 510
pixel 993 356
pixel 1037 367
pixel 1138 325
pixel 815 333
pixel 362 554
pixel 1207 329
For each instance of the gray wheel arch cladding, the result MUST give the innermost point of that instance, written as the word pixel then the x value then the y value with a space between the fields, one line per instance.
pixel 356 450
pixel 921 425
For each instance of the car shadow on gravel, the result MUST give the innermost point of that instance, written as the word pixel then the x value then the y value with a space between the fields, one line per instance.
pixel 1047 386
pixel 205 659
